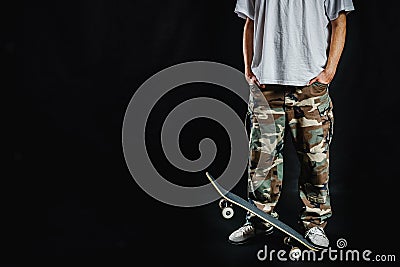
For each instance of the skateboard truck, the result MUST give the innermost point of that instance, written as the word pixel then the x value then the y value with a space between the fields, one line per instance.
pixel 295 252
pixel 227 208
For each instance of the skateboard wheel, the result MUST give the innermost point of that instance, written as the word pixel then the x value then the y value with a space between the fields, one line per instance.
pixel 287 240
pixel 222 203
pixel 295 253
pixel 227 212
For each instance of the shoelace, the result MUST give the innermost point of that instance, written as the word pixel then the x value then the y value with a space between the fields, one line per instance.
pixel 315 230
pixel 246 228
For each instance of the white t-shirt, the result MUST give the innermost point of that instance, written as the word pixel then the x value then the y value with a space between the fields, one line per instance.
pixel 291 37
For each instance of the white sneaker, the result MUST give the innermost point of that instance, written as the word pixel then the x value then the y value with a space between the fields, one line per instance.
pixel 246 232
pixel 317 236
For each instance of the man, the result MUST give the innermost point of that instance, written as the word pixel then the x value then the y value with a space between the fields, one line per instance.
pixel 291 52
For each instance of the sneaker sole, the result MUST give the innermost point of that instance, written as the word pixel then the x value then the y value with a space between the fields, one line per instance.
pixel 318 246
pixel 250 239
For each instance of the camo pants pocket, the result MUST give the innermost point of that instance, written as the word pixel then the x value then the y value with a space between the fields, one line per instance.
pixel 325 109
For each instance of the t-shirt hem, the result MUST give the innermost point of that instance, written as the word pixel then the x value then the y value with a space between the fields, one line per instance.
pixel 283 82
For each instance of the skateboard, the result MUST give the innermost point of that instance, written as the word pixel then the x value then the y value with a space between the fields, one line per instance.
pixel 229 199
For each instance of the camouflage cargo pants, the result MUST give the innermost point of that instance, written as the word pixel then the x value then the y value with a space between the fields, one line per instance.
pixel 307 111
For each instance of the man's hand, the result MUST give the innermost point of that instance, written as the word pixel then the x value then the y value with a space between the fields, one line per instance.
pixel 325 77
pixel 252 79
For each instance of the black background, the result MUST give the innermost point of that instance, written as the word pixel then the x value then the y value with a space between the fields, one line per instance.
pixel 69 194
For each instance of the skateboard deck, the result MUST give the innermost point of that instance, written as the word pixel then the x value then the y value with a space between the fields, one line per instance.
pixel 238 201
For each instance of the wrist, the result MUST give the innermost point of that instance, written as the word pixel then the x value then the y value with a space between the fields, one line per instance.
pixel 247 70
pixel 330 70
pixel 330 73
